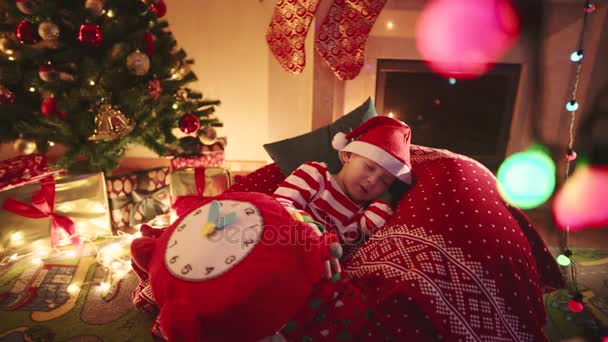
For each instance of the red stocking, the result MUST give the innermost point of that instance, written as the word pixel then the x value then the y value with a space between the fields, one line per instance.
pixel 287 32
pixel 342 36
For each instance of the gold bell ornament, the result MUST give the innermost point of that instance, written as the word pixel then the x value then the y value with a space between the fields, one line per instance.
pixel 110 124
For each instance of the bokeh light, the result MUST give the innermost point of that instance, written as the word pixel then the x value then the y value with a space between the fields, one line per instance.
pixel 576 56
pixel 582 202
pixel 563 260
pixel 527 179
pixel 464 38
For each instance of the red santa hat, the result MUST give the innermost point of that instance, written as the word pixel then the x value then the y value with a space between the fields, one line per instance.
pixel 382 139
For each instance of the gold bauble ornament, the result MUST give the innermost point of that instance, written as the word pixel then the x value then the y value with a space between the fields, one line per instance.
pixel 48 30
pixel 110 124
pixel 7 46
pixel 25 146
pixel 138 63
pixel 95 7
pixel 208 136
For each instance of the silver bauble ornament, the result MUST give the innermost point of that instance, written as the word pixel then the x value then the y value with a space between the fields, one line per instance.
pixel 48 30
pixel 138 63
pixel 208 135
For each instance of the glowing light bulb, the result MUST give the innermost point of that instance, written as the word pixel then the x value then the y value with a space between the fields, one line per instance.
pixel 563 260
pixel 174 106
pixel 391 115
pixel 73 288
pixel 92 82
pixel 576 56
pixel 32 89
pixel 51 143
pixel 390 25
pixel 16 236
pixel 452 80
pixel 571 106
pixel 575 306
pixel 110 14
pixel 11 58
pixel 104 286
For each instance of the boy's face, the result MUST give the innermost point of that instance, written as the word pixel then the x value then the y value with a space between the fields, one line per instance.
pixel 363 178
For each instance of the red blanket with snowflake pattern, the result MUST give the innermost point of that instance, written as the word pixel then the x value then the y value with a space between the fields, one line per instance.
pixel 455 262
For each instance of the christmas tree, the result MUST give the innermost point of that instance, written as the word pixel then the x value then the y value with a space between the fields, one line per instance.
pixel 94 76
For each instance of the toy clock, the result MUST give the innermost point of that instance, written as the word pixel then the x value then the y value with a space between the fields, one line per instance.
pixel 229 231
pixel 234 267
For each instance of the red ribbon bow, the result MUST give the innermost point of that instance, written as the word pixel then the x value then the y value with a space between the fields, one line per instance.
pixel 181 204
pixel 43 205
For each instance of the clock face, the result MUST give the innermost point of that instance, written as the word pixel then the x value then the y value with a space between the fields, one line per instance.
pixel 212 239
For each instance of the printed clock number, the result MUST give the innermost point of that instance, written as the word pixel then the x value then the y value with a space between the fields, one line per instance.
pixel 197 212
pixel 230 259
pixel 209 270
pixel 186 269
pixel 174 259
pixel 173 244
pixel 181 227
pixel 249 211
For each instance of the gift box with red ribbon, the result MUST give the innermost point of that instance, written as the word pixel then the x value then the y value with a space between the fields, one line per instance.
pixel 54 211
pixel 206 159
pixel 191 183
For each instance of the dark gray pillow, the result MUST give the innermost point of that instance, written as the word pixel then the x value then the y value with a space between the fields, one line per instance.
pixel 290 153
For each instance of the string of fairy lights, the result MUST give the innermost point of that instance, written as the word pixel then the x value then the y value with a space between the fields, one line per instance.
pixel 111 253
pixel 565 259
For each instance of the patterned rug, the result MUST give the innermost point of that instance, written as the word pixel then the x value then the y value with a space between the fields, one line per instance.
pixel 36 304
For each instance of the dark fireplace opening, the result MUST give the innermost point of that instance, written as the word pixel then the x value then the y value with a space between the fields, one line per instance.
pixel 471 117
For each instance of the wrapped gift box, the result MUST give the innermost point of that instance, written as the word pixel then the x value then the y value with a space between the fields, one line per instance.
pixel 206 159
pixel 22 169
pixel 196 182
pixel 79 198
pixel 138 197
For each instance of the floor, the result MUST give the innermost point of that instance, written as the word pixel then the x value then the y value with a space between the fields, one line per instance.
pixel 591 247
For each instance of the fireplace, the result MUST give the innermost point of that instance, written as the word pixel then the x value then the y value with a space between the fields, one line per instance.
pixel 471 117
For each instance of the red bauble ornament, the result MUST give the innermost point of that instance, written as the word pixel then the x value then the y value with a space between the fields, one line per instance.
pixel 48 107
pixel 149 38
pixel 26 32
pixel 160 8
pixel 575 306
pixel 90 34
pixel 155 89
pixel 189 123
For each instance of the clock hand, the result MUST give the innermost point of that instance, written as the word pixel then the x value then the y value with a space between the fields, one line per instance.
pixel 212 218
pixel 226 220
pixel 208 228
pixel 214 212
